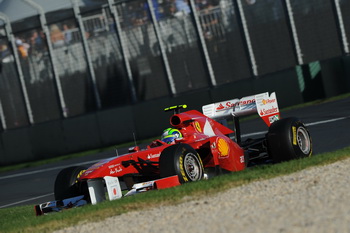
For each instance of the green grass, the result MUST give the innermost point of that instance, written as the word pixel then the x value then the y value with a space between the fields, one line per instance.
pixel 23 219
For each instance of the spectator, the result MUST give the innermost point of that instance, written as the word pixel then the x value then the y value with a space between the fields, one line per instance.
pixel 22 48
pixel 4 52
pixel 67 34
pixel 57 37
pixel 169 8
pixel 36 43
pixel 5 55
pixel 182 7
pixel 206 4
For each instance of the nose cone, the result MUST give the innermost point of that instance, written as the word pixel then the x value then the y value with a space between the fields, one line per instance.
pixel 98 170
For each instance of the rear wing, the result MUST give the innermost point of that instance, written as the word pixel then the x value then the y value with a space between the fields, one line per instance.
pixel 264 104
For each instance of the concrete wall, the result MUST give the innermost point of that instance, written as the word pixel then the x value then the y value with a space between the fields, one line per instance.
pixel 336 76
pixel 148 119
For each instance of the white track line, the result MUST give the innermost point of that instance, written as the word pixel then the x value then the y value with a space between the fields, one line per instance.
pixel 60 167
pixel 308 124
pixel 95 161
pixel 47 169
pixel 327 121
pixel 30 199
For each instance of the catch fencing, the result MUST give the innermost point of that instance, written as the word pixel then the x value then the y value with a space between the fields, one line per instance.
pixel 132 51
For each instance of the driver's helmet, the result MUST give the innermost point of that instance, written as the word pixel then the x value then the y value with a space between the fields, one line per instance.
pixel 169 135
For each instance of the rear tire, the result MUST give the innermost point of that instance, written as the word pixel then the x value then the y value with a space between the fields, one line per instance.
pixel 181 160
pixel 288 139
pixel 66 184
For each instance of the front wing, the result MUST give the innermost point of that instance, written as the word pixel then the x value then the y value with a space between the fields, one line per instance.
pixel 98 189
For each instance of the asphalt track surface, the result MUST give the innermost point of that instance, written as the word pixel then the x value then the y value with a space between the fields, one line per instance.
pixel 328 123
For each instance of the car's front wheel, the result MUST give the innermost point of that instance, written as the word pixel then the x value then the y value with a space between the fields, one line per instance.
pixel 181 160
pixel 66 183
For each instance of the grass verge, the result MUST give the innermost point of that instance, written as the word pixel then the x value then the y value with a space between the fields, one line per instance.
pixel 23 219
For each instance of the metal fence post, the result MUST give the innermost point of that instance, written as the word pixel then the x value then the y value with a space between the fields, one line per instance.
pixel 123 47
pixel 294 32
pixel 247 38
pixel 2 115
pixel 11 37
pixel 87 52
pixel 202 42
pixel 162 48
pixel 51 55
pixel 341 26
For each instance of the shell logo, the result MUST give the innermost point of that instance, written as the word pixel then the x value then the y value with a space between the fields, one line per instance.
pixel 223 147
pixel 198 127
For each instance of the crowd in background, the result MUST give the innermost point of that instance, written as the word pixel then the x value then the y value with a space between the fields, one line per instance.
pixel 134 13
pixel 137 12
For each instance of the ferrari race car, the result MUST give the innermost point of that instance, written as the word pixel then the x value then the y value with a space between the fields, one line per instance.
pixel 205 146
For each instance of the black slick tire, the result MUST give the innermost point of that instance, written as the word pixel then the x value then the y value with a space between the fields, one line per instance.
pixel 288 139
pixel 181 160
pixel 66 185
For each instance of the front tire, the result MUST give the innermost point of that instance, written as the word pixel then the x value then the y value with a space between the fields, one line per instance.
pixel 66 184
pixel 288 139
pixel 181 160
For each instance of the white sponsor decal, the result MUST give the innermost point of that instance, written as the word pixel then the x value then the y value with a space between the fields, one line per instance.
pixel 115 170
pixel 152 156
pixel 113 187
pixel 222 106
pixel 264 112
pixel 273 118
pixel 266 105
pixel 247 103
pixel 241 159
pixel 244 103
pixel 113 165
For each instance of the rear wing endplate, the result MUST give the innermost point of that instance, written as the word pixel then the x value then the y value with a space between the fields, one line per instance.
pixel 263 104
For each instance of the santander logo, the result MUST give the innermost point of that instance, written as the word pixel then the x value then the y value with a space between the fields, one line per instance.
pixel 230 104
pixel 220 107
pixel 224 106
pixel 264 112
pixel 246 102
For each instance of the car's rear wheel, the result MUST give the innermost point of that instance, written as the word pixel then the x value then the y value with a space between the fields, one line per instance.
pixel 66 183
pixel 288 139
pixel 181 160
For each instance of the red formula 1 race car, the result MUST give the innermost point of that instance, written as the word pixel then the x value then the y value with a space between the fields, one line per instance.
pixel 198 146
